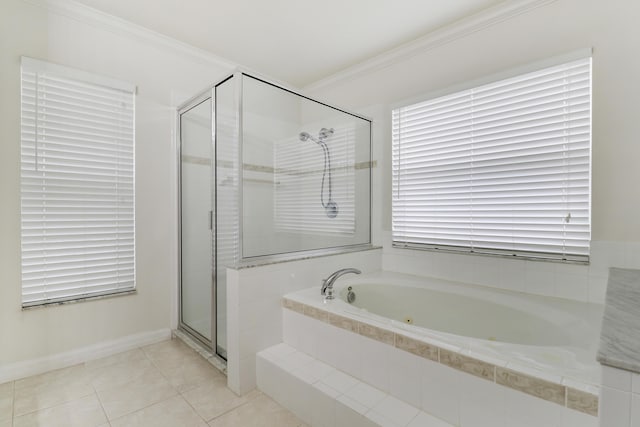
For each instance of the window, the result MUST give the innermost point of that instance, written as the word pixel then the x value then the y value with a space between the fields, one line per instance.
pixel 77 184
pixel 502 168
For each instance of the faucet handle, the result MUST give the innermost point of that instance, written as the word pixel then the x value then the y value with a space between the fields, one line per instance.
pixel 323 288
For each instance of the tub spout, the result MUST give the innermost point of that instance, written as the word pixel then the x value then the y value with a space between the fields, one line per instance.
pixel 327 284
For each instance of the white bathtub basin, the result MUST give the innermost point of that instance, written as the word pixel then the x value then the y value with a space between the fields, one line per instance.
pixel 554 336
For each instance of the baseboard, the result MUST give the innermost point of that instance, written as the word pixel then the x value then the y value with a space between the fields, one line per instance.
pixel 14 371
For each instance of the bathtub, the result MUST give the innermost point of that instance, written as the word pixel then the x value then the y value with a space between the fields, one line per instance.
pixel 555 336
pixel 541 346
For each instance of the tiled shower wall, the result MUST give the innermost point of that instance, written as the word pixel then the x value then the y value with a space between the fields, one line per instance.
pixel 585 283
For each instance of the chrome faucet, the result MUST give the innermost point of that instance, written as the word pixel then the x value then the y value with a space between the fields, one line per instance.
pixel 327 284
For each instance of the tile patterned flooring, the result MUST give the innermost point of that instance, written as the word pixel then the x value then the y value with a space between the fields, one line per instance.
pixel 163 384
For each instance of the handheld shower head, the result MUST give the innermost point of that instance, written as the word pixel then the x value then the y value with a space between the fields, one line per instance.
pixel 330 207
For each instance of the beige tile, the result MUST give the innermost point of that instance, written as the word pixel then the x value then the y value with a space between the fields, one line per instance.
pixel 214 399
pixel 293 305
pixel 467 364
pixel 120 374
pixel 6 401
pixel 582 401
pixel 139 393
pixel 168 350
pixel 51 377
pixel 85 412
pixel 173 412
pixel 376 333
pixel 417 347
pixel 126 356
pixel 259 412
pixel 343 322
pixel 316 313
pixel 534 386
pixel 6 423
pixel 51 389
pixel 190 372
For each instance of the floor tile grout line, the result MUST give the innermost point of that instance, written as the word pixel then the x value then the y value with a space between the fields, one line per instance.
pixel 236 408
pixel 143 408
pixel 192 407
pixel 13 403
pixel 104 411
pixel 151 404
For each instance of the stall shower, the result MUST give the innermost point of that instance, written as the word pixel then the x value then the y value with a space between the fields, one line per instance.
pixel 249 187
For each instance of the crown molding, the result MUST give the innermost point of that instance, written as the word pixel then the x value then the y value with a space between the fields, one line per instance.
pixel 88 15
pixel 454 31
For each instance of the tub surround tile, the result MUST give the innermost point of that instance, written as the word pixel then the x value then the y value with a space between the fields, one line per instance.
pixel 419 348
pixel 348 401
pixel 582 401
pixel 343 322
pixel 425 420
pixel 376 333
pixel 467 364
pixel 620 335
pixel 534 386
pixel 293 305
pixel 316 313
pixel 366 395
pixel 568 393
pixel 396 410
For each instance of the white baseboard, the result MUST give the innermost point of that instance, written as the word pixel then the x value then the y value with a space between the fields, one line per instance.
pixel 26 368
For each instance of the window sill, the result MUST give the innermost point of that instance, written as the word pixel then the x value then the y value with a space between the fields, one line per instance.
pixel 78 300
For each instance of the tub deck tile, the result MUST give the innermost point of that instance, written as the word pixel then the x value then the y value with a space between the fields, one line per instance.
pixel 467 364
pixel 534 386
pixel 343 322
pixel 293 305
pixel 316 313
pixel 419 348
pixel 582 401
pixel 376 333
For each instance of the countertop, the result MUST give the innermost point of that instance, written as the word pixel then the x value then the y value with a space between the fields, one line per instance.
pixel 620 336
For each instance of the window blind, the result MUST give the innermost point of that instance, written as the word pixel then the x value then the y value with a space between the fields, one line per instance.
pixel 503 168
pixel 77 184
pixel 298 174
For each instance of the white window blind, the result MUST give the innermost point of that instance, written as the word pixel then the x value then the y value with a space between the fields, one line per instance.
pixel 299 167
pixel 503 168
pixel 77 184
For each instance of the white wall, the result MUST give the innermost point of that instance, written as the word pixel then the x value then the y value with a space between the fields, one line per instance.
pixel 165 76
pixel 611 29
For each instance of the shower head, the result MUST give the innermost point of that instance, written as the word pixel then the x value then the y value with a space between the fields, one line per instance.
pixel 304 136
pixel 325 133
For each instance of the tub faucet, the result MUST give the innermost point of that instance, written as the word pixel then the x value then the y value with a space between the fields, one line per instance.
pixel 327 284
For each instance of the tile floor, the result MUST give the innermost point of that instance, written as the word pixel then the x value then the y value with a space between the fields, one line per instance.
pixel 164 384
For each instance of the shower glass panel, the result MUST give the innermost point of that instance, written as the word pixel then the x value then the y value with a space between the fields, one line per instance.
pixel 305 173
pixel 196 250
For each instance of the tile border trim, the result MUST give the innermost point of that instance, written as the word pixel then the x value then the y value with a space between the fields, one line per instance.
pixel 560 394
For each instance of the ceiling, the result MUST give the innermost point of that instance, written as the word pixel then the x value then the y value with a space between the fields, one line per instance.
pixel 295 41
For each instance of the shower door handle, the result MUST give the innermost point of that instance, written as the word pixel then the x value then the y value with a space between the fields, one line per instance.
pixel 210 220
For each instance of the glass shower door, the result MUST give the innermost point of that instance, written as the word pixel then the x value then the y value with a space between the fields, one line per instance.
pixel 196 223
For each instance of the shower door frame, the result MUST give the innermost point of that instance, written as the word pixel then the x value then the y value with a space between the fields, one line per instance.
pixel 206 95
